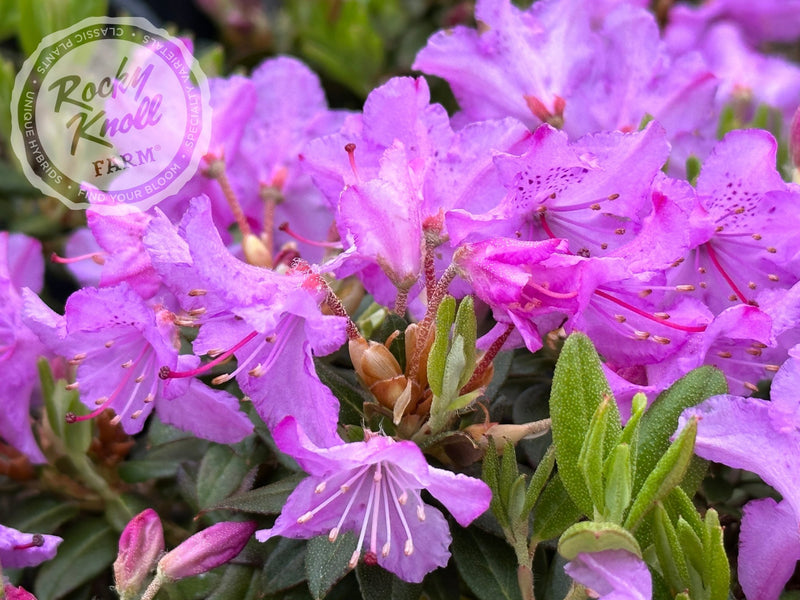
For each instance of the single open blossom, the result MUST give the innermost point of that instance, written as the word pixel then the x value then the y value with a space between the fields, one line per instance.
pixel 612 574
pixel 373 489
pixel 743 229
pixel 270 321
pixel 762 437
pixel 21 265
pixel 119 345
pixel 18 549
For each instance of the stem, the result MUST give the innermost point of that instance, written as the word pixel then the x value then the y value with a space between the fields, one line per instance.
pixel 153 588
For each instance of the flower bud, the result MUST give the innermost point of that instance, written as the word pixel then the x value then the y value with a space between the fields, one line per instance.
pixel 140 545
pixel 373 361
pixel 17 593
pixel 206 550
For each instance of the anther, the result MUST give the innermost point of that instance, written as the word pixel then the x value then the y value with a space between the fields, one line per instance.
pixel 772 277
pixel 772 368
pixel 595 206
pixel 750 386
pixel 756 236
pixel 620 318
pixel 772 249
pixel 115 421
pixel 71 386
pixel 620 231
pixel 661 315
pixel 136 414
pixel 661 339
pixel 613 196
pixel 719 229
pixel 604 246
pixel 127 364
pixel 320 487
pixel 684 287
pixel 641 335
pixel 148 399
pixel 197 292
pixel 754 351
pixel 109 343
pixel 101 400
pixel 196 312
pixel 751 285
pixel 724 354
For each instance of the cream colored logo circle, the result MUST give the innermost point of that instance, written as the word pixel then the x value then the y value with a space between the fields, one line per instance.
pixel 110 111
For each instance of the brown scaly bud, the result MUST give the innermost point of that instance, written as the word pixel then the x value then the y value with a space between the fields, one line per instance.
pixel 373 362
pixel 501 434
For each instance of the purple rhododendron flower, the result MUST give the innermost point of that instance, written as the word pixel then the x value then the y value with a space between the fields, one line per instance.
pixel 119 345
pixel 762 437
pixel 18 549
pixel 612 575
pixel 270 321
pixel 20 264
pixel 373 488
pixel 569 63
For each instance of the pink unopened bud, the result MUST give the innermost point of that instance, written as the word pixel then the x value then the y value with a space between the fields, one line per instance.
pixel 206 550
pixel 140 545
pixel 17 593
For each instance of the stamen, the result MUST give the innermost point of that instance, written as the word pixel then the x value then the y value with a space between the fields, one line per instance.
pixel 96 257
pixel 658 317
pixel 197 292
pixel 712 255
pixel 351 153
pixel 37 541
pixel 166 373
pixel 289 231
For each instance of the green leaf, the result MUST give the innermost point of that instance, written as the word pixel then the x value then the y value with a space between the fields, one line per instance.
pixel 221 473
pixel 590 459
pixel 717 572
pixel 666 475
pixel 668 550
pixel 327 562
pixel 539 479
pixel 619 482
pixel 376 583
pixel 437 357
pixel 578 387
pixel 555 511
pixel 509 472
pixel 348 391
pixel 443 584
pixel 41 17
pixel 89 547
pixel 285 566
pixel 661 419
pixel 339 38
pixel 58 402
pixel 593 536
pixel 236 580
pixel 692 547
pixel 466 327
pixel 486 563
pixel 41 515
pixel 267 500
